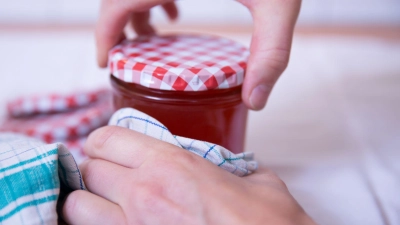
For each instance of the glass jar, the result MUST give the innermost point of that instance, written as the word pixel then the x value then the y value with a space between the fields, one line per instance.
pixel 200 105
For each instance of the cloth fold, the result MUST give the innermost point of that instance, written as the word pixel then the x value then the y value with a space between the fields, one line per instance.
pixel 239 164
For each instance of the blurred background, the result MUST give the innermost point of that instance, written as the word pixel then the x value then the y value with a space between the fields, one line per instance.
pixel 227 12
pixel 331 128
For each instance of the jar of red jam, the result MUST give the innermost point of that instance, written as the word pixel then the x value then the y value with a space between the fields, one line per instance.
pixel 190 83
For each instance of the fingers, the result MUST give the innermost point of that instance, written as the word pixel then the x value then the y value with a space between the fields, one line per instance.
pixel 141 23
pixel 141 20
pixel 109 28
pixel 274 22
pixel 123 146
pixel 171 10
pixel 106 179
pixel 83 207
pixel 113 17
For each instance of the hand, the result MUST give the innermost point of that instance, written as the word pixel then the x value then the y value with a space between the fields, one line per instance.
pixel 274 22
pixel 136 179
pixel 115 15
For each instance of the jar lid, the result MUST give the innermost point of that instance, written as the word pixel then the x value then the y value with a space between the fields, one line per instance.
pixel 180 62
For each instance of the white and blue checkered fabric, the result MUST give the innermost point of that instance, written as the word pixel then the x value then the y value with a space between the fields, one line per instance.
pixel 31 174
pixel 239 164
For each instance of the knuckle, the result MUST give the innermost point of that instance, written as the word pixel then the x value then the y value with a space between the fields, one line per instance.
pixel 165 166
pixel 273 178
pixel 184 157
pixel 101 137
pixel 277 59
pixel 170 156
pixel 177 161
pixel 269 177
pixel 280 183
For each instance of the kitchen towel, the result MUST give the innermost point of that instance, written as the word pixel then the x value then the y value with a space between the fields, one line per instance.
pixel 31 176
pixel 239 164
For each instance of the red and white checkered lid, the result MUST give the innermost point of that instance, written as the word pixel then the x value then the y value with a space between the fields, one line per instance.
pixel 180 62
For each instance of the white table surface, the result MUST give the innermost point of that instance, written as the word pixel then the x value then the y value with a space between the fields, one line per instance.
pixel 331 129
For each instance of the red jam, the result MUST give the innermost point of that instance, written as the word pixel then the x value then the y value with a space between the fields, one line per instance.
pixel 217 116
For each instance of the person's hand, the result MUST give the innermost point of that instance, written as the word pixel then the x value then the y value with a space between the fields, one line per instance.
pixel 274 21
pixel 115 15
pixel 136 179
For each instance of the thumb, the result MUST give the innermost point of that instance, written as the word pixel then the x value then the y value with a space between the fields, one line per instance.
pixel 274 22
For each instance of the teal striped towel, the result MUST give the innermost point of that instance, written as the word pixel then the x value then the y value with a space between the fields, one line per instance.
pixel 31 175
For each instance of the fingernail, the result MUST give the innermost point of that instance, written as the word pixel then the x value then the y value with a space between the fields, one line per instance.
pixel 259 96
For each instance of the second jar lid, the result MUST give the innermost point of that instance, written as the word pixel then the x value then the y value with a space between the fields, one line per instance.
pixel 180 62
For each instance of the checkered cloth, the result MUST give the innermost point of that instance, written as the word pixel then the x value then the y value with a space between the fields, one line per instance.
pixel 180 62
pixel 60 118
pixel 60 127
pixel 239 164
pixel 31 175
pixel 52 103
